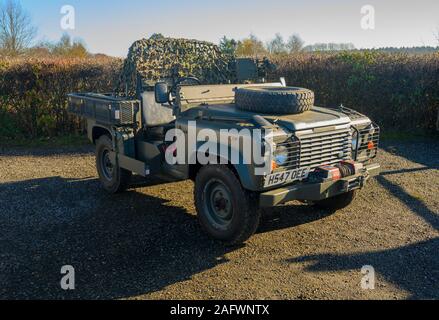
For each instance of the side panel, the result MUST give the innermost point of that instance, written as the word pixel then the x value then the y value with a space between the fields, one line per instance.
pixel 149 153
pixel 90 125
pixel 242 164
pixel 135 166
pixel 104 108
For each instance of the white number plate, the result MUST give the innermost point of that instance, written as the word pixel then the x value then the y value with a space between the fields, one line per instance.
pixel 286 177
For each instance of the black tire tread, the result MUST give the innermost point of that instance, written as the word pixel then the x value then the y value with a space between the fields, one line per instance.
pixel 247 203
pixel 121 182
pixel 289 100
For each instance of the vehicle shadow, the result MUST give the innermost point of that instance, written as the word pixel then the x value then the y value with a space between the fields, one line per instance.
pixel 120 246
pixel 291 215
pixel 422 152
pixel 414 268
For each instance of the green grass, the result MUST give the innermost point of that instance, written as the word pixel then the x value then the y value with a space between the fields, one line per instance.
pixel 406 136
pixel 61 141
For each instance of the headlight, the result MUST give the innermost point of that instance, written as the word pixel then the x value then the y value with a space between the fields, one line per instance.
pixel 281 156
pixel 355 141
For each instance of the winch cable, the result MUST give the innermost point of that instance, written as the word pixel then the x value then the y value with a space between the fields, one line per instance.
pixel 345 170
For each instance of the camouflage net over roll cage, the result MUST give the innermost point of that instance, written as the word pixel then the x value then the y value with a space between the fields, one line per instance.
pixel 170 59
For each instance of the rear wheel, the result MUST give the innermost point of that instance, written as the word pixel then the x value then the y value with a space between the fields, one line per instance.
pixel 113 178
pixel 226 211
pixel 338 202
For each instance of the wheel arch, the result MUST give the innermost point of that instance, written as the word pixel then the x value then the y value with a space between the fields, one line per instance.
pixel 241 171
pixel 97 132
pixel 195 168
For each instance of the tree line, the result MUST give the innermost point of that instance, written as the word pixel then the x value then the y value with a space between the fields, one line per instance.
pixel 17 36
pixel 252 46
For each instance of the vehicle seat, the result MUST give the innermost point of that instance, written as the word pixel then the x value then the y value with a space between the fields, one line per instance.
pixel 155 114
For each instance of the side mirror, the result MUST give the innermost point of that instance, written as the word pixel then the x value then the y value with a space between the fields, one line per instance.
pixel 161 92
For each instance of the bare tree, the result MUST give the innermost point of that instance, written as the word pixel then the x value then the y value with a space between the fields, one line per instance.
pixel 277 45
pixel 295 43
pixel 16 29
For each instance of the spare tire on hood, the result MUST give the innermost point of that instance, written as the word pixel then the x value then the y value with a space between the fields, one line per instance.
pixel 274 100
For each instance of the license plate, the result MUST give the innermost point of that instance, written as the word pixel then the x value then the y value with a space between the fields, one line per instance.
pixel 286 177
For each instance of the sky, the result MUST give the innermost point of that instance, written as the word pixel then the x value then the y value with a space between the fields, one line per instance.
pixel 111 26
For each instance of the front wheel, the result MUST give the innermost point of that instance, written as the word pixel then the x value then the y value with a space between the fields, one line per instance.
pixel 338 202
pixel 226 211
pixel 113 178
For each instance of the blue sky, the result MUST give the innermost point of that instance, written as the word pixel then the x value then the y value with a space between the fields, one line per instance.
pixel 111 26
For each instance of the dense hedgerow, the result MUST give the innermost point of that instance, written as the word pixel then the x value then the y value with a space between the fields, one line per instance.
pixel 399 92
pixel 33 92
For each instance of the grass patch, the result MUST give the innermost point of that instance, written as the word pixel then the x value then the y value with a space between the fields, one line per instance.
pixel 407 136
pixel 55 142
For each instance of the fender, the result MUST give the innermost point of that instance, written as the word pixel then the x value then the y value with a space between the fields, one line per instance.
pixel 92 126
pixel 245 171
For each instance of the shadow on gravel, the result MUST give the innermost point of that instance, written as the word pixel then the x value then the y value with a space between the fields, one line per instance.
pixel 120 246
pixel 290 216
pixel 422 152
pixel 414 268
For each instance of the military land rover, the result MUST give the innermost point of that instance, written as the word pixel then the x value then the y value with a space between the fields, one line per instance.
pixel 317 155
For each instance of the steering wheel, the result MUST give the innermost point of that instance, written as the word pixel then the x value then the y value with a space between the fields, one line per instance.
pixel 190 81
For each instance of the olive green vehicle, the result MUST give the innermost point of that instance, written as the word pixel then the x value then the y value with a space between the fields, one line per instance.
pixel 321 156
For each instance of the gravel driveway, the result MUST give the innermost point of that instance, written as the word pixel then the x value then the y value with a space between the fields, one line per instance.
pixel 146 243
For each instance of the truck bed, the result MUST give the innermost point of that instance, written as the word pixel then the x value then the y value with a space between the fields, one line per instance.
pixel 105 109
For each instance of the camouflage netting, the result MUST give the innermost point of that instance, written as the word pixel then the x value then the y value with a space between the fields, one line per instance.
pixel 167 58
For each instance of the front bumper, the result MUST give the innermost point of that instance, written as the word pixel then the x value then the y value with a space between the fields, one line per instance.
pixel 318 191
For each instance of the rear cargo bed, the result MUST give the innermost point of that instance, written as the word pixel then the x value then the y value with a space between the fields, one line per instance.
pixel 105 109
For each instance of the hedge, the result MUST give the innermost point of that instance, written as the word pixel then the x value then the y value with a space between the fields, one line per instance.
pixel 33 93
pixel 399 92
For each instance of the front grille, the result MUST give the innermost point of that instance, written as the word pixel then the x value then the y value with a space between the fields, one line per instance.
pixel 317 149
pixel 325 148
pixel 293 160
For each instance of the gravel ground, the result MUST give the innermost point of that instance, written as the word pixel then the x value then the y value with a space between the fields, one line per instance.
pixel 146 244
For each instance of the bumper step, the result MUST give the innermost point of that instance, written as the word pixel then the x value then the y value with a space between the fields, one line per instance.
pixel 318 191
